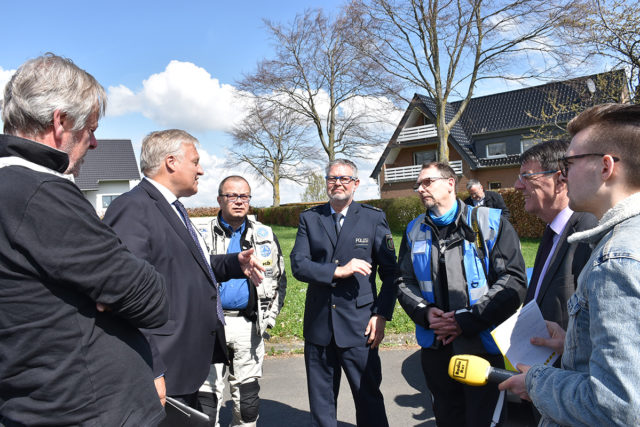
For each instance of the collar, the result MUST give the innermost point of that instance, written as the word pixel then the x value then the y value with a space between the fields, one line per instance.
pixel 560 221
pixel 226 225
pixel 624 210
pixel 34 152
pixel 166 193
pixel 343 211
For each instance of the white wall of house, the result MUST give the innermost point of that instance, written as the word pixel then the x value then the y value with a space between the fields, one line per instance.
pixel 107 190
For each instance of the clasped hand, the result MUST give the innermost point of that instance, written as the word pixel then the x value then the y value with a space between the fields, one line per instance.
pixel 444 325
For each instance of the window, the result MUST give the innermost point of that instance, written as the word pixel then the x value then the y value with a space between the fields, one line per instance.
pixel 495 185
pixel 527 143
pixel 419 157
pixel 107 199
pixel 497 149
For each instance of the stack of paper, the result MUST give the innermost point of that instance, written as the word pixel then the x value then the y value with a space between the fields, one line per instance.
pixel 514 334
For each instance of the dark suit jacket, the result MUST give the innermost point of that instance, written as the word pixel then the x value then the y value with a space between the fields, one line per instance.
pixel 186 345
pixel 492 200
pixel 342 308
pixel 561 278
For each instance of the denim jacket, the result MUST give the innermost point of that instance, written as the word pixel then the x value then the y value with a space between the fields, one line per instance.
pixel 599 383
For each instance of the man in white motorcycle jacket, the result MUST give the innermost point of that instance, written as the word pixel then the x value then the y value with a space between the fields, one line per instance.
pixel 250 310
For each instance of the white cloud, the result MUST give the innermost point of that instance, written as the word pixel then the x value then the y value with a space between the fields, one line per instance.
pixel 5 76
pixel 184 96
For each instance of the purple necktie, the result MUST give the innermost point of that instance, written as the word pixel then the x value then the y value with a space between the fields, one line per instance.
pixel 194 236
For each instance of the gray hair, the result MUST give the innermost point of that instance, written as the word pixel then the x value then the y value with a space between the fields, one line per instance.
pixel 344 162
pixel 158 145
pixel 45 84
pixel 547 153
pixel 472 183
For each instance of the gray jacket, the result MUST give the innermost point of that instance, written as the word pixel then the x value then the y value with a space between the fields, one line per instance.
pixel 272 290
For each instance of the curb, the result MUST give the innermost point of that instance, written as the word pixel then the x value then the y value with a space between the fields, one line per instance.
pixel 276 346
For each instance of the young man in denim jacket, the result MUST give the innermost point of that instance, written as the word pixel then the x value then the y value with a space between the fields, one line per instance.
pixel 598 382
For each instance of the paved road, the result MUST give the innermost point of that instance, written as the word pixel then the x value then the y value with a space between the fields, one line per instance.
pixel 284 400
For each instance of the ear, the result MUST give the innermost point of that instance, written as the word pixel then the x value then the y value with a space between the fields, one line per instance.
pixel 61 124
pixel 560 182
pixel 357 184
pixel 607 167
pixel 171 162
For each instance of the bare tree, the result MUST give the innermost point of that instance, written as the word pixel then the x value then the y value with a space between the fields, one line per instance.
pixel 609 30
pixel 327 81
pixel 316 189
pixel 446 47
pixel 271 142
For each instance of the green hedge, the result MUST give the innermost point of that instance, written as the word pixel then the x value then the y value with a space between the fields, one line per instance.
pixel 399 212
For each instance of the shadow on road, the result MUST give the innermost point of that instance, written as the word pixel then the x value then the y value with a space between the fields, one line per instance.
pixel 412 372
pixel 275 414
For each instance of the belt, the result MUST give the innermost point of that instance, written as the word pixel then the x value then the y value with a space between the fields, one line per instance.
pixel 232 313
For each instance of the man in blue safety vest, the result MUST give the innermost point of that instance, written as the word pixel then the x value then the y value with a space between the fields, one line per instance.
pixel 462 274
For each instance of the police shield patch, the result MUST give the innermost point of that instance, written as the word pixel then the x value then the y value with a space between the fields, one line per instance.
pixel 389 239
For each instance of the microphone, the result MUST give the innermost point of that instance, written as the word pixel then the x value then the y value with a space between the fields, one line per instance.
pixel 476 371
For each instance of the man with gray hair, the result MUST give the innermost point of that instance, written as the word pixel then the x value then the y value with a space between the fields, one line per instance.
pixel 154 224
pixel 72 296
pixel 479 197
pixel 339 247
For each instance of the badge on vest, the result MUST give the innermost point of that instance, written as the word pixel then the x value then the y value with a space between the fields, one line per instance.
pixel 419 247
pixel 362 242
pixel 262 232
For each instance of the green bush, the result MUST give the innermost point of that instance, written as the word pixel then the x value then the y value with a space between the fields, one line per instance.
pixel 399 212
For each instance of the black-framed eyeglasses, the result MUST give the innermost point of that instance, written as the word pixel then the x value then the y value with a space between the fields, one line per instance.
pixel 244 198
pixel 565 162
pixel 524 177
pixel 344 180
pixel 426 183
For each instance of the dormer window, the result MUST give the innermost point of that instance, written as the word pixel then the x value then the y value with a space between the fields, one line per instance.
pixel 497 149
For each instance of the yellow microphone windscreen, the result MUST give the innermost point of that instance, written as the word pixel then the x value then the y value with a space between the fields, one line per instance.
pixel 469 369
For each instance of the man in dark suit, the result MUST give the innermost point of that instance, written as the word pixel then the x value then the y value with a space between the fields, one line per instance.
pixel 154 225
pixel 338 248
pixel 490 199
pixel 558 263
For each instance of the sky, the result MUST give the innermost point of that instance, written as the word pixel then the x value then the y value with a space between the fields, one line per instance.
pixel 169 65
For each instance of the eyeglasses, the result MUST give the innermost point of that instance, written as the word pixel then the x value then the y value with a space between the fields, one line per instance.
pixel 344 180
pixel 244 198
pixel 565 161
pixel 426 183
pixel 523 177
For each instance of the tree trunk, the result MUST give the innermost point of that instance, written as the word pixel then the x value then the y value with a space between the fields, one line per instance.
pixel 443 137
pixel 276 185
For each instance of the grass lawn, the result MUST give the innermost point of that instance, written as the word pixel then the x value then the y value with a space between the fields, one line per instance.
pixel 289 322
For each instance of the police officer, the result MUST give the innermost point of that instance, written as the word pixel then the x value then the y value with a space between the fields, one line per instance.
pixel 249 310
pixel 339 247
pixel 462 274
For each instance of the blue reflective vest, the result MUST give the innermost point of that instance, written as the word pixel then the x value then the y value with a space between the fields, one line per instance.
pixel 475 262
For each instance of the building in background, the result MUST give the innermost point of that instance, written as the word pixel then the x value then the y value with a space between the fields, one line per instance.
pixel 108 171
pixel 492 132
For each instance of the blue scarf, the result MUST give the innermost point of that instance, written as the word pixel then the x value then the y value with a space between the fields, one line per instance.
pixel 447 218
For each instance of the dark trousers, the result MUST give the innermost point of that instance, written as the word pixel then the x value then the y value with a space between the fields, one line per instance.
pixel 456 404
pixel 363 370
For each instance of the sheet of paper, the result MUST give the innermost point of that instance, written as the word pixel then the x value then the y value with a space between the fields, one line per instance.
pixel 514 334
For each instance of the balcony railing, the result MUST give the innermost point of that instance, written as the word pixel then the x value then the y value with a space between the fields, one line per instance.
pixel 418 132
pixel 410 173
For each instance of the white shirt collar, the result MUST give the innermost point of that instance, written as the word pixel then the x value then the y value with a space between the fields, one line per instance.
pixel 166 193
